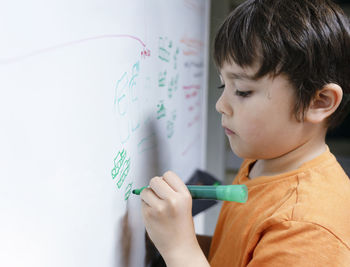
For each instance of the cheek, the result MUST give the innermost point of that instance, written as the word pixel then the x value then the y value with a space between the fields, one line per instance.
pixel 261 128
pixel 254 132
pixel 270 138
pixel 253 121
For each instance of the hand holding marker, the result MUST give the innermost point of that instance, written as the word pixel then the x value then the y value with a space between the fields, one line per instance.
pixel 236 193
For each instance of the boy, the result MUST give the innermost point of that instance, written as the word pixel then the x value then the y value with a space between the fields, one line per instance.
pixel 284 65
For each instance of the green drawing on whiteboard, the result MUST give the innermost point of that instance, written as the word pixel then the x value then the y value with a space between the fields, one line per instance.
pixel 121 168
pixel 132 84
pixel 162 79
pixel 128 191
pixel 173 115
pixel 127 105
pixel 173 85
pixel 170 127
pixel 163 52
pixel 134 128
pixel 126 168
pixel 120 98
pixel 118 163
pixel 175 57
pixel 161 112
pixel 147 143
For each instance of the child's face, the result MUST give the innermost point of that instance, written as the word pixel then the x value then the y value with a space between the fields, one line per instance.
pixel 259 114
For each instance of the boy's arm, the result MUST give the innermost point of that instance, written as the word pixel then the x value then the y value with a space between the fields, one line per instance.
pixel 204 242
pixel 167 214
pixel 295 243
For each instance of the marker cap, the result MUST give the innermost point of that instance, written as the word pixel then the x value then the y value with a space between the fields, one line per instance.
pixel 236 193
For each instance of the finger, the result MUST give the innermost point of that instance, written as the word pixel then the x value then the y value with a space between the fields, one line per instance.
pixel 149 197
pixel 161 188
pixel 146 210
pixel 174 182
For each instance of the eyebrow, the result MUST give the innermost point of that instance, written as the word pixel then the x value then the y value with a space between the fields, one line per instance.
pixel 241 76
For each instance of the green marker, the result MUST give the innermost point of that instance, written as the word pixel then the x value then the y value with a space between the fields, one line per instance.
pixel 236 193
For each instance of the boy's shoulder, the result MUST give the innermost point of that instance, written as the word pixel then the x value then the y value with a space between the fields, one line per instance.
pixel 317 194
pixel 323 198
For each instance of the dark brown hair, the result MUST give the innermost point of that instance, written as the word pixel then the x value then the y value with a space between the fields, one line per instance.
pixel 307 40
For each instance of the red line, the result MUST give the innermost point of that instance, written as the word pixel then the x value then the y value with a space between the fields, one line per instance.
pixel 194 86
pixel 189 52
pixel 191 95
pixel 59 46
pixel 194 43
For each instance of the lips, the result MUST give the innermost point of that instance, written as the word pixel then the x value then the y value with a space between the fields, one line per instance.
pixel 228 131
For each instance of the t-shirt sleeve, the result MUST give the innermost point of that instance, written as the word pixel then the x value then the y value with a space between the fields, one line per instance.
pixel 299 244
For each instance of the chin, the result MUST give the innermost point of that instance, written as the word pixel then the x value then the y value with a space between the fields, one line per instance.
pixel 238 152
pixel 244 153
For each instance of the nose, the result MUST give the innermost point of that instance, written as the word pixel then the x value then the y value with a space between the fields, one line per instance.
pixel 223 105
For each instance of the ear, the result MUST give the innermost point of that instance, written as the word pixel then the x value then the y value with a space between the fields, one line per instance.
pixel 324 104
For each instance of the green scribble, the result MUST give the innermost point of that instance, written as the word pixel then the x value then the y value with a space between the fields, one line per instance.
pixel 120 94
pixel 137 126
pixel 161 112
pixel 118 163
pixel 175 57
pixel 173 115
pixel 126 168
pixel 121 167
pixel 147 143
pixel 132 84
pixel 162 79
pixel 128 191
pixel 125 139
pixel 119 85
pixel 173 85
pixel 170 127
pixel 164 54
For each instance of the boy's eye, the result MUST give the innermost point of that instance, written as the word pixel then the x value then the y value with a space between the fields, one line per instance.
pixel 243 93
pixel 221 86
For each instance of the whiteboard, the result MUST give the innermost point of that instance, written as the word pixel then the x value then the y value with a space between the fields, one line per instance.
pixel 96 97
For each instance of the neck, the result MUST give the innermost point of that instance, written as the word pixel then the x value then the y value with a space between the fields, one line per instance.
pixel 289 161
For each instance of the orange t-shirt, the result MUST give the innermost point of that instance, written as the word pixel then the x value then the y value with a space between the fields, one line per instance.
pixel 299 218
